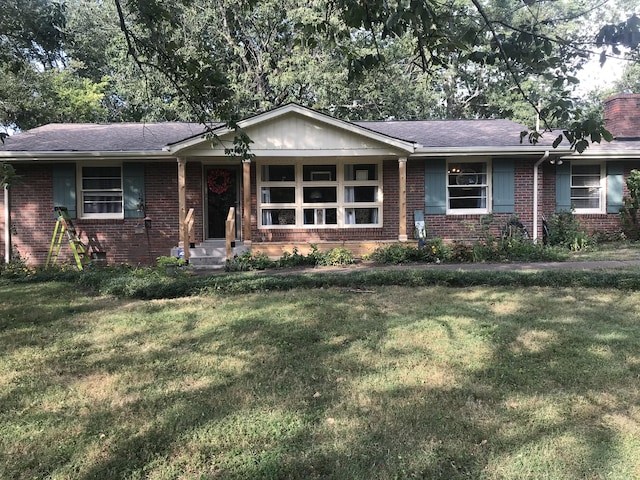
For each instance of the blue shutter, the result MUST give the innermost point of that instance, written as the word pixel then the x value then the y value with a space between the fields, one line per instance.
pixel 435 186
pixel 503 185
pixel 64 187
pixel 563 187
pixel 615 174
pixel 133 188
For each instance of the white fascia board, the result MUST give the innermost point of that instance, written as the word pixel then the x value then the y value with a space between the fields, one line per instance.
pixel 610 155
pixel 308 153
pixel 404 146
pixel 57 156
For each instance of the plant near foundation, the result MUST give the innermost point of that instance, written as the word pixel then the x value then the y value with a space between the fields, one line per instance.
pixel 247 261
pixel 337 257
pixel 433 251
pixel 294 259
pixel 163 262
pixel 565 230
pixel 629 213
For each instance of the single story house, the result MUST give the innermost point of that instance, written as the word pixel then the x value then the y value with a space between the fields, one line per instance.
pixel 138 190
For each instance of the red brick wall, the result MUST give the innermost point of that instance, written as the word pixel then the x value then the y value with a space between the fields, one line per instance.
pixel 33 219
pixel 622 115
pixel 468 227
pixel 606 222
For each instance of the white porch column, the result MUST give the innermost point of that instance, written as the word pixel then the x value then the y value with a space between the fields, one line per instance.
pixel 246 202
pixel 402 199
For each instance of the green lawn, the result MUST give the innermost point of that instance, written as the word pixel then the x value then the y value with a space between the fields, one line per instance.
pixel 377 383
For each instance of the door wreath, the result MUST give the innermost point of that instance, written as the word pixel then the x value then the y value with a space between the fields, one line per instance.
pixel 219 181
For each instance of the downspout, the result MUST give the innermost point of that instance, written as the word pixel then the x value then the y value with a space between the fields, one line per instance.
pixel 535 194
pixel 7 226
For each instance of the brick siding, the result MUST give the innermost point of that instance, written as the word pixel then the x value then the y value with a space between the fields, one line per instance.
pixel 622 115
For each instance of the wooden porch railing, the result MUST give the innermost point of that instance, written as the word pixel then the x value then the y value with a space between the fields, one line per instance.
pixel 230 232
pixel 188 228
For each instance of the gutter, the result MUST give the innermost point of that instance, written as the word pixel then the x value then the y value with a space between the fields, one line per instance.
pixel 35 156
pixel 535 194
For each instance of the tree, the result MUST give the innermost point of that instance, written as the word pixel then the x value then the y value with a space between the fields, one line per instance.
pixel 460 37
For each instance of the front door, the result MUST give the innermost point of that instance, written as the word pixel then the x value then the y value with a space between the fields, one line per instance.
pixel 222 194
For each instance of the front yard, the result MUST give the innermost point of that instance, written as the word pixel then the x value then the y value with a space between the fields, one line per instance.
pixel 354 383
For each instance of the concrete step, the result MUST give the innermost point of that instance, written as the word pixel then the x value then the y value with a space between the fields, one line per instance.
pixel 209 254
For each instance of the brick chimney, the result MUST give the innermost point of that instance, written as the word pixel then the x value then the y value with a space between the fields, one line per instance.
pixel 622 115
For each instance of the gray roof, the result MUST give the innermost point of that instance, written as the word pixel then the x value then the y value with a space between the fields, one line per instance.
pixel 629 146
pixel 152 137
pixel 90 137
pixel 453 133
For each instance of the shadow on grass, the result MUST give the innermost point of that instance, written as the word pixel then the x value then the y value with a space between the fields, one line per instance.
pixel 422 383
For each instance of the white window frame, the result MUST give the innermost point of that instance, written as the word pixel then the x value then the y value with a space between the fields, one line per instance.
pixel 487 187
pixel 602 196
pixel 320 208
pixel 81 191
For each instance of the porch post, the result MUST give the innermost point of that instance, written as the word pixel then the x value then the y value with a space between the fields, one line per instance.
pixel 402 199
pixel 182 205
pixel 246 202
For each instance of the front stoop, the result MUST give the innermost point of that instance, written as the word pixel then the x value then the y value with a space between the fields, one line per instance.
pixel 209 254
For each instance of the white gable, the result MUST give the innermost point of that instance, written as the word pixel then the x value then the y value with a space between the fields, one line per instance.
pixel 296 131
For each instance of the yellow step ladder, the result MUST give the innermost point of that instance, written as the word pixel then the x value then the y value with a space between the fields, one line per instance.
pixel 64 225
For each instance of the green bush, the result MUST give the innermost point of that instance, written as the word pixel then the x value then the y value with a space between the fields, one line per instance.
pixel 337 257
pixel 433 251
pixel 163 262
pixel 566 231
pixel 247 261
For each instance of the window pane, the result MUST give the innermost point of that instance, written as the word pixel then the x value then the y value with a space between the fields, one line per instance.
pixel 101 172
pixel 278 173
pixel 585 186
pixel 593 169
pixel 278 194
pixel 359 216
pixel 464 174
pixel 320 216
pixel 101 190
pixel 467 197
pixel 282 216
pixel 102 202
pixel 363 194
pixel 319 173
pixel 586 202
pixel 360 172
pixel 101 183
pixel 585 181
pixel 319 194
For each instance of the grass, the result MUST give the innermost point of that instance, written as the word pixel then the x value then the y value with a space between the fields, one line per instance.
pixel 620 251
pixel 370 383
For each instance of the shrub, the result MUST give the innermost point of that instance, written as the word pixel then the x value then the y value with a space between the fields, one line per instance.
pixel 247 261
pixel 163 262
pixel 337 257
pixel 433 251
pixel 566 231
